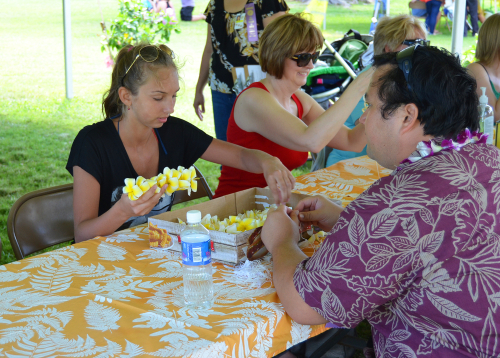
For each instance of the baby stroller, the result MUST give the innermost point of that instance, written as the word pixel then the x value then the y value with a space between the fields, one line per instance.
pixel 337 67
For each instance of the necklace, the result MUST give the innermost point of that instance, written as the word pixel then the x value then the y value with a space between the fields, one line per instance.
pixel 436 145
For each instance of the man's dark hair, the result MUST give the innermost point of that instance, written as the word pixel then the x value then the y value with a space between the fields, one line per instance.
pixel 443 91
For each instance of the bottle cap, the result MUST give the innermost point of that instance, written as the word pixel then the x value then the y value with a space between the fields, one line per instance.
pixel 484 98
pixel 193 216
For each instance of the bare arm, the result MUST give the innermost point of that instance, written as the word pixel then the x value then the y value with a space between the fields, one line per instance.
pixel 278 177
pixel 266 21
pixel 280 235
pixel 86 192
pixel 483 81
pixel 353 140
pixel 155 5
pixel 346 139
pixel 199 99
pixel 285 261
pixel 272 121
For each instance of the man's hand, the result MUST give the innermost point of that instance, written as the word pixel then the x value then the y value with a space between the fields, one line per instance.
pixel 280 228
pixel 280 234
pixel 318 211
pixel 280 180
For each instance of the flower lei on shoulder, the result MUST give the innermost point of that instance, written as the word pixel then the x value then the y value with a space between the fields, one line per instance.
pixel 436 145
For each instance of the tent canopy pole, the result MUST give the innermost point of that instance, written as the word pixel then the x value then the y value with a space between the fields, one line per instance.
pixel 68 62
pixel 457 33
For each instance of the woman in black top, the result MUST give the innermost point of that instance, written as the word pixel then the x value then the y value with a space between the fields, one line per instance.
pixel 230 43
pixel 139 137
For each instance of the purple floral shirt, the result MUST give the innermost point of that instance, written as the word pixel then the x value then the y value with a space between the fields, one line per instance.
pixel 418 256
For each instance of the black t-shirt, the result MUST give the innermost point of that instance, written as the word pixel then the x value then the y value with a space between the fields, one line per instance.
pixel 230 44
pixel 99 151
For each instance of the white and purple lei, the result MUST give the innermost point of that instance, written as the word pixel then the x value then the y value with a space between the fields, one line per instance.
pixel 435 145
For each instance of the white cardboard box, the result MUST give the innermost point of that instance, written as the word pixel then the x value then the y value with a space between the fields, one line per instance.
pixel 227 247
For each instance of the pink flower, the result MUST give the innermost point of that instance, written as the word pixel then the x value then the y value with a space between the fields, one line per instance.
pixel 109 61
pixel 429 148
pixel 449 143
pixel 482 138
pixel 464 136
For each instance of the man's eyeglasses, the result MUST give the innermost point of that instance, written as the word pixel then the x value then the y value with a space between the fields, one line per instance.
pixel 416 42
pixel 150 54
pixel 303 59
pixel 405 62
pixel 365 107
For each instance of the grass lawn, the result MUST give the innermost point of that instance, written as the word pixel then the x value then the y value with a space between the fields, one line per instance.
pixel 38 124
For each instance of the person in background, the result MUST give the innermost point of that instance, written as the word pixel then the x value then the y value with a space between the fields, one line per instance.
pixel 392 34
pixel 449 9
pixel 417 253
pixel 486 70
pixel 187 11
pixel 423 12
pixel 418 12
pixel 230 43
pixel 275 116
pixel 150 4
pixel 472 7
pixel 161 6
pixel 139 137
pixel 481 15
pixel 433 15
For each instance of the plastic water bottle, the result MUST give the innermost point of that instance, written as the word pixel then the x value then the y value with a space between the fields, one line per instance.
pixel 197 263
pixel 486 119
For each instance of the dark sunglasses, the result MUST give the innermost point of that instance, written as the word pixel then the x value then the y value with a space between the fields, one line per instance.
pixel 405 61
pixel 416 42
pixel 303 59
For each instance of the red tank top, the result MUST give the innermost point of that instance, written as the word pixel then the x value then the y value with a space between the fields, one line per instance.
pixel 232 179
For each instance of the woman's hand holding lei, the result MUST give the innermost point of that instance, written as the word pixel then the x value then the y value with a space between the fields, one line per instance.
pixel 173 179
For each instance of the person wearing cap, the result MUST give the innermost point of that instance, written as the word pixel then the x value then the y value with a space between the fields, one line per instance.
pixel 418 253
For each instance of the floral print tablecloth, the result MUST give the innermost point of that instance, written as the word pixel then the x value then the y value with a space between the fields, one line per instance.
pixel 115 297
pixel 343 181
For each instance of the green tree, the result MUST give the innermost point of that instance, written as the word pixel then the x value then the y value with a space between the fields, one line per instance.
pixel 469 56
pixel 133 25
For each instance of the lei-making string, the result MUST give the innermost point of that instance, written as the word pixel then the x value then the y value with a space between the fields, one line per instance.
pixel 436 145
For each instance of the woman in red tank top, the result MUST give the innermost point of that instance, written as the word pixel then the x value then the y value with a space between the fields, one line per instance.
pixel 275 116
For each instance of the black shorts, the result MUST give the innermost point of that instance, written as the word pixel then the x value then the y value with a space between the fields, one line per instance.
pixel 187 13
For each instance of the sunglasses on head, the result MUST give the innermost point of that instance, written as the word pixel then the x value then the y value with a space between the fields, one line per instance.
pixel 303 59
pixel 150 54
pixel 416 42
pixel 405 62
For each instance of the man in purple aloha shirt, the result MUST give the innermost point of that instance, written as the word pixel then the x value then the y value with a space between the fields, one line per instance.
pixel 418 253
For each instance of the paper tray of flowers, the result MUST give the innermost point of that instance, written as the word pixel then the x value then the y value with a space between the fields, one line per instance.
pixel 230 219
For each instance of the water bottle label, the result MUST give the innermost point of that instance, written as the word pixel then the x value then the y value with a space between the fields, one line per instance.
pixel 489 123
pixel 196 253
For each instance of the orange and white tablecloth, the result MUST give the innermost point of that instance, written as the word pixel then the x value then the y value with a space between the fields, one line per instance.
pixel 343 181
pixel 115 297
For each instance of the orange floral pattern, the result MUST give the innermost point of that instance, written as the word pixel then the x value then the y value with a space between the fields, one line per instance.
pixel 115 296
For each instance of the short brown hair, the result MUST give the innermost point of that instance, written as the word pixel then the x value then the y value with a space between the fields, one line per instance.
pixel 392 31
pixel 488 41
pixel 284 37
